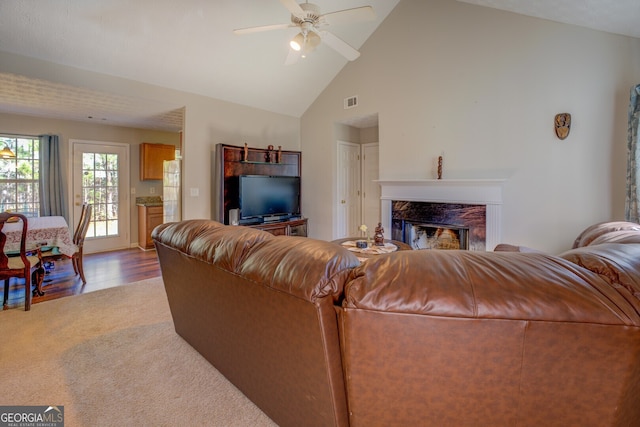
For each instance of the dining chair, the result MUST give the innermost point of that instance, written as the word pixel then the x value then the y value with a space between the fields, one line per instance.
pixel 53 254
pixel 18 264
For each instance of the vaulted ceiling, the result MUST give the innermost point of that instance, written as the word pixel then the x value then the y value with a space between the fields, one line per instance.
pixel 190 46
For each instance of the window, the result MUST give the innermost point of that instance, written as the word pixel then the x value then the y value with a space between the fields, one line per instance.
pixel 100 188
pixel 20 176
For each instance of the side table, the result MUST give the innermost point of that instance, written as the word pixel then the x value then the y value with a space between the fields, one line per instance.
pixel 364 256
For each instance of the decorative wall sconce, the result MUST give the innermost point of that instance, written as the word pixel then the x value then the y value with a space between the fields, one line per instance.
pixel 562 125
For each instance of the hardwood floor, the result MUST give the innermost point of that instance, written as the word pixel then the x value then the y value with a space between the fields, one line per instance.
pixel 102 270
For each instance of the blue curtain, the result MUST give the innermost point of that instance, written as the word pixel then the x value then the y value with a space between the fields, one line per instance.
pixel 53 200
pixel 632 212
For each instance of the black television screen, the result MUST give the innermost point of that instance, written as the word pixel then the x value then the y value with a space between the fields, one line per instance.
pixel 263 196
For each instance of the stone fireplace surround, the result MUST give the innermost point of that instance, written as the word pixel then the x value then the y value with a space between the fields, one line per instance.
pixel 486 192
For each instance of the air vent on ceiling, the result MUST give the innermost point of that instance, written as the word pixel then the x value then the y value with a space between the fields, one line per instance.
pixel 351 102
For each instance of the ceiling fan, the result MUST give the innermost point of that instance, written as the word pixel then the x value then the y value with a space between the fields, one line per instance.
pixel 310 21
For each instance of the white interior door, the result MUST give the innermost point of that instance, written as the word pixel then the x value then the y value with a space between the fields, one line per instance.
pixel 370 188
pixel 349 207
pixel 101 178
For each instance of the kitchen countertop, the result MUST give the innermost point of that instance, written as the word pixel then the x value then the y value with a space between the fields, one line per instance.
pixel 149 201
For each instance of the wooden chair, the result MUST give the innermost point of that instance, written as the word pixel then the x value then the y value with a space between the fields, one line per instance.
pixel 19 264
pixel 53 254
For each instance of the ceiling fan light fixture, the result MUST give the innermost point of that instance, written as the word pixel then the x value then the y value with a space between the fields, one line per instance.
pixel 310 23
pixel 311 42
pixel 297 42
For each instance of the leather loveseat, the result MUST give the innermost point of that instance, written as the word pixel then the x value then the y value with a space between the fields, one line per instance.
pixel 429 338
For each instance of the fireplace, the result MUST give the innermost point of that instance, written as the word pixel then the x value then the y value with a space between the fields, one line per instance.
pixel 443 214
pixel 434 236
pixel 427 225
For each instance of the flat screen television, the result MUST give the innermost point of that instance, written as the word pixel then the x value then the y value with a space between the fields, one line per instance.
pixel 266 198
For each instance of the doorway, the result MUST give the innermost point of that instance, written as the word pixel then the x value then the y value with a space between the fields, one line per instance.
pixel 358 191
pixel 100 176
pixel 370 188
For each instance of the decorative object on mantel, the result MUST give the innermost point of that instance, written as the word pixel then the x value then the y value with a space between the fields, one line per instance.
pixel 440 167
pixel 378 237
pixel 246 152
pixel 279 155
pixel 267 154
pixel 562 125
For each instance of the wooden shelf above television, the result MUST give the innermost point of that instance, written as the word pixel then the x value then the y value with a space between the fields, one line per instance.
pixel 232 161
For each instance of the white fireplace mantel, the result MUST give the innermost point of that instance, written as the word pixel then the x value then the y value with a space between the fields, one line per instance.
pixel 486 192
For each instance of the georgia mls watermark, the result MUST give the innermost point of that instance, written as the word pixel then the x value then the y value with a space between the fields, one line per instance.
pixel 31 416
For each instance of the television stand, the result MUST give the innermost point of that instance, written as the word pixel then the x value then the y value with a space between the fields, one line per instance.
pixel 292 227
pixel 276 218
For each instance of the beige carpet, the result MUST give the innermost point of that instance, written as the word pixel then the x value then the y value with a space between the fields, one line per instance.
pixel 112 358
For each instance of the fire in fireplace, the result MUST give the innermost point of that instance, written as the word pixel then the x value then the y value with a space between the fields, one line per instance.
pixel 435 236
pixel 427 225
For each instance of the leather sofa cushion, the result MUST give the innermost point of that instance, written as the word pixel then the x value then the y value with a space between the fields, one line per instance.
pixel 303 267
pixel 618 236
pixel 618 262
pixel 491 285
pixel 300 266
pixel 592 232
pixel 210 241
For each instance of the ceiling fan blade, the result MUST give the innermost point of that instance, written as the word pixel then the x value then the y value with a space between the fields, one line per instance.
pixel 262 28
pixel 294 8
pixel 339 45
pixel 348 16
pixel 292 57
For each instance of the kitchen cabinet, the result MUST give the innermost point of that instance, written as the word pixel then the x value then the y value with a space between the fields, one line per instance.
pixel 149 217
pixel 152 157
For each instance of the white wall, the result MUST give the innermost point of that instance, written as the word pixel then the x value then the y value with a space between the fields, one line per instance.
pixel 208 122
pixel 483 86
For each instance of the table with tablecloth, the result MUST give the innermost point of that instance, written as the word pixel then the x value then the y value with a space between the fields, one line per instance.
pixel 42 231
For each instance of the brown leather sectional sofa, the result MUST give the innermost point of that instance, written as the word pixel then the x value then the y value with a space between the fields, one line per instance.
pixel 428 338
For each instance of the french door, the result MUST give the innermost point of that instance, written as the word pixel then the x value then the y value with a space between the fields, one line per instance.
pixel 101 178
